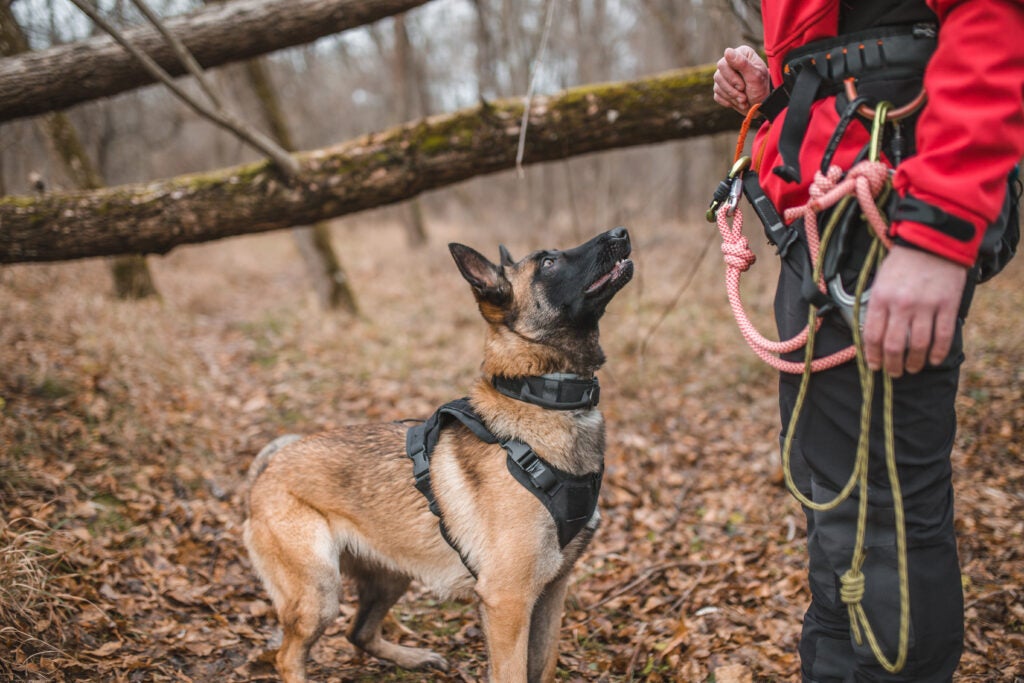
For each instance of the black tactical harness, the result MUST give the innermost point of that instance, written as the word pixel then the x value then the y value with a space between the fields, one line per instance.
pixel 571 499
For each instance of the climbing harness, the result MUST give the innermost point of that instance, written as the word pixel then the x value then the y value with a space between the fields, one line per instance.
pixel 861 190
pixel 827 65
pixel 570 499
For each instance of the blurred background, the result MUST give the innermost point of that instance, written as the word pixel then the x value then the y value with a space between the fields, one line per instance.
pixel 437 58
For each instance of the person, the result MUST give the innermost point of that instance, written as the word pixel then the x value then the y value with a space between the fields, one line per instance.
pixel 952 159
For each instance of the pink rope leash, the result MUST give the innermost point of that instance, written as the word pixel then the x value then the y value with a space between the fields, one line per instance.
pixel 865 181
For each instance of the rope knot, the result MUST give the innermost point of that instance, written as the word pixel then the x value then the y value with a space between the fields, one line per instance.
pixel 737 253
pixel 823 183
pixel 735 248
pixel 875 172
pixel 851 587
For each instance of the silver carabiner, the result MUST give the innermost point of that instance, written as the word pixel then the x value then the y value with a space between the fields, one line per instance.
pixel 845 301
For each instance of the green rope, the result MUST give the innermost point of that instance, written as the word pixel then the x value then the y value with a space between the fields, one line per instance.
pixel 851 590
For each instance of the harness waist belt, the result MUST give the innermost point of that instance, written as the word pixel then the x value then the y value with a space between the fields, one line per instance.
pixel 819 68
pixel 861 53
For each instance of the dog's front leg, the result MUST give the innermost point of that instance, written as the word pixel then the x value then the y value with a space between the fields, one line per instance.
pixel 545 625
pixel 505 607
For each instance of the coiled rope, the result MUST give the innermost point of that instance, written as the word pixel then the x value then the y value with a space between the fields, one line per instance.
pixel 867 182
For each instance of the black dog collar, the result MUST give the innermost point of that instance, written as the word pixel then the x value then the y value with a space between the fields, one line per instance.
pixel 557 391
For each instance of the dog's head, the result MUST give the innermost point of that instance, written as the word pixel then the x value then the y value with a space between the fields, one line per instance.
pixel 544 309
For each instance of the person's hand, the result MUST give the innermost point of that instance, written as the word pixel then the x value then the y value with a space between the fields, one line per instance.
pixel 741 79
pixel 912 311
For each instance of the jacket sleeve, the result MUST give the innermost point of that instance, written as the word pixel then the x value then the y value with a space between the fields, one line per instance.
pixel 971 131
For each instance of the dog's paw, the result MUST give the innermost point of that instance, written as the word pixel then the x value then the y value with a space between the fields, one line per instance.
pixel 409 657
pixel 434 661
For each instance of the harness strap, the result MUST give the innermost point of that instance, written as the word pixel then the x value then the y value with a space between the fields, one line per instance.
pixel 794 127
pixel 420 441
pixel 781 235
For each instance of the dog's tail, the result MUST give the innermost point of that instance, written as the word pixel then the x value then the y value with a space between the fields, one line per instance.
pixel 263 457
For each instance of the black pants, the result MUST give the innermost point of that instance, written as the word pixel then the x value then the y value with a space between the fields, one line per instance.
pixel 822 459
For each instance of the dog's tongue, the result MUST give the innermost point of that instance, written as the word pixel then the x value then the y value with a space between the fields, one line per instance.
pixel 604 279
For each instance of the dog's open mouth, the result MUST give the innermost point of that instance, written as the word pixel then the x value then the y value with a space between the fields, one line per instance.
pixel 619 274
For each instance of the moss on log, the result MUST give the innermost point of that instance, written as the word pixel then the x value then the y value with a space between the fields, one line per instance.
pixel 374 170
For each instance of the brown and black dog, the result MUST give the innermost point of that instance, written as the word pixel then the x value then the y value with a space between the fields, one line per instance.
pixel 343 502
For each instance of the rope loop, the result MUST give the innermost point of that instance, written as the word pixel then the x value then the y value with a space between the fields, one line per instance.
pixel 851 587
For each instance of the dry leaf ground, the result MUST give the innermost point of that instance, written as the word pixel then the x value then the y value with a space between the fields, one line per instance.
pixel 127 427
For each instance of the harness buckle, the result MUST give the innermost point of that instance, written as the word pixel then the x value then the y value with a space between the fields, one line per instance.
pixel 524 456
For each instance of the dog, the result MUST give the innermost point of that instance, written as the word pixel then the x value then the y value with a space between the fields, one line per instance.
pixel 343 502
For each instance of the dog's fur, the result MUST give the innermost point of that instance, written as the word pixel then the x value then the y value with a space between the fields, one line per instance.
pixel 343 502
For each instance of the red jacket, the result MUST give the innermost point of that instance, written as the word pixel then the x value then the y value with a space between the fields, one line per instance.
pixel 970 133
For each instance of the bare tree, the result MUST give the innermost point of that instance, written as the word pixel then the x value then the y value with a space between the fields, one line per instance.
pixel 409 84
pixel 486 59
pixel 314 242
pixel 131 275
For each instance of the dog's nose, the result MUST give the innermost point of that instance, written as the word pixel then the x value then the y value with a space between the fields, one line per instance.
pixel 619 233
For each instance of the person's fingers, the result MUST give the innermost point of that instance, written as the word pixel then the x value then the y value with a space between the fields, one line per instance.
pixel 874 333
pixel 725 92
pixel 894 344
pixel 753 71
pixel 739 105
pixel 912 313
pixel 729 78
pixel 919 339
pixel 943 334
pixel 736 68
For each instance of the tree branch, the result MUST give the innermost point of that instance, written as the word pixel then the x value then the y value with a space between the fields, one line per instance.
pixel 182 53
pixel 62 76
pixel 216 114
pixel 367 172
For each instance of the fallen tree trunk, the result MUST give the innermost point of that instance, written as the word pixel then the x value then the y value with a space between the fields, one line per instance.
pixel 54 79
pixel 371 171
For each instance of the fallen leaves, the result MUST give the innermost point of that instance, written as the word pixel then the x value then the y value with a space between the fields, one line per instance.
pixel 126 429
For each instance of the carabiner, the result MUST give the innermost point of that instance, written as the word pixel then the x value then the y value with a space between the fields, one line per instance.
pixel 877 128
pixel 729 189
pixel 867 112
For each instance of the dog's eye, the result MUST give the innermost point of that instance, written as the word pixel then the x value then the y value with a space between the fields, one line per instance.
pixel 547 262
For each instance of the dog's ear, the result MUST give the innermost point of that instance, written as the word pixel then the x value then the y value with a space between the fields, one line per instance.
pixel 488 281
pixel 506 258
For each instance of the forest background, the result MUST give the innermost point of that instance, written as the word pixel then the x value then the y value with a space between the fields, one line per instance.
pixel 126 424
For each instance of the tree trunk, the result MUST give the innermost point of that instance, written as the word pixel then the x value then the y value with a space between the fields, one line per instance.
pixel 367 172
pixel 407 86
pixel 486 62
pixel 132 279
pixel 59 77
pixel 314 242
